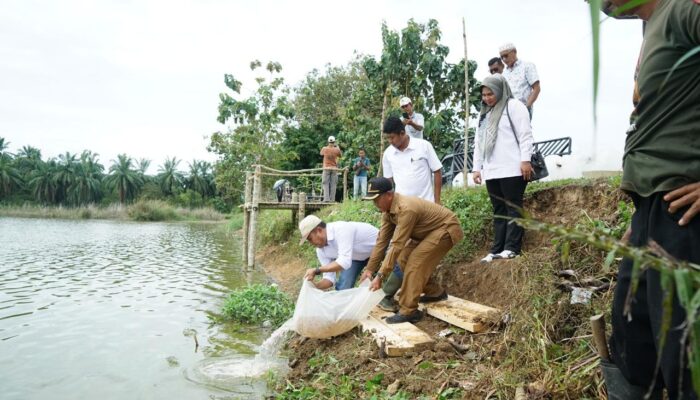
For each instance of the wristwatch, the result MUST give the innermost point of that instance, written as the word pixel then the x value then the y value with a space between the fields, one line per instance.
pixel 318 271
pixel 380 275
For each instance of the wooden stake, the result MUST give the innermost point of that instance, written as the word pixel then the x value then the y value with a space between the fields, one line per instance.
pixel 601 343
pixel 381 129
pixel 246 215
pixel 254 217
pixel 302 206
pixel 467 106
pixel 345 184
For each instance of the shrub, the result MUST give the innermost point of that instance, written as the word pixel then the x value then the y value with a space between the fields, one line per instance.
pixel 257 303
pixel 151 210
pixel 219 205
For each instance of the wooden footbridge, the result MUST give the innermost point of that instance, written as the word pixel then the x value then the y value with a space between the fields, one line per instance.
pixel 258 198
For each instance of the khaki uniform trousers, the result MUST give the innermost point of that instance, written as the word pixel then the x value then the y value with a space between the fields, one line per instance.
pixel 418 261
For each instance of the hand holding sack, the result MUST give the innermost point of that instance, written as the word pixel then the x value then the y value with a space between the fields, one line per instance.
pixel 321 315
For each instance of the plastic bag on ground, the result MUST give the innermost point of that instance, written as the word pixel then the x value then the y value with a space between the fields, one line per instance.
pixel 322 315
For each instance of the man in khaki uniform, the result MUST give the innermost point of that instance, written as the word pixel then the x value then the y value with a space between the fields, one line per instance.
pixel 421 233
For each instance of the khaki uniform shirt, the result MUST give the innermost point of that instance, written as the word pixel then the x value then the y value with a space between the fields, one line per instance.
pixel 410 218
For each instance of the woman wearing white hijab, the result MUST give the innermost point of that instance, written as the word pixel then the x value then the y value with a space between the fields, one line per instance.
pixel 503 147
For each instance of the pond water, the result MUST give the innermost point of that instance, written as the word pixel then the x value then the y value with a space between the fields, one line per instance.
pixel 110 310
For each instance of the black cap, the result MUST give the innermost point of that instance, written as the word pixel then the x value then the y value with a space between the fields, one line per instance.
pixel 378 186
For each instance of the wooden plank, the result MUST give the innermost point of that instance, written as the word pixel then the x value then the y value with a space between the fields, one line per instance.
pixel 465 314
pixel 411 333
pixel 399 339
pixel 395 345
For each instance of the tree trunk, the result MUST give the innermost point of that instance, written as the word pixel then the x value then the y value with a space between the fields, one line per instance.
pixel 381 129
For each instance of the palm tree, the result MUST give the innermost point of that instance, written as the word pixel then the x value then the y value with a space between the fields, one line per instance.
pixel 10 177
pixel 87 184
pixel 200 178
pixel 3 146
pixel 26 160
pixel 65 175
pixel 29 152
pixel 124 178
pixel 169 178
pixel 43 182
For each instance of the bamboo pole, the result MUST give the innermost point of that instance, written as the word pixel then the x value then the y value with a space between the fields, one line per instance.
pixel 246 215
pixel 598 329
pixel 301 213
pixel 288 172
pixel 345 184
pixel 254 217
pixel 381 129
pixel 467 106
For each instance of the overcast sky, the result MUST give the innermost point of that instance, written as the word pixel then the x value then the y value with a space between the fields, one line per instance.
pixel 143 77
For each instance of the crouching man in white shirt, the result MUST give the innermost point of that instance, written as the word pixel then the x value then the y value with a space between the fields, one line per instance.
pixel 341 247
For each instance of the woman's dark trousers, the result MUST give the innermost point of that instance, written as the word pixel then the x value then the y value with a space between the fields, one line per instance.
pixel 507 199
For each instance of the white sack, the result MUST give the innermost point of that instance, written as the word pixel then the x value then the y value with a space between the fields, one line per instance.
pixel 321 315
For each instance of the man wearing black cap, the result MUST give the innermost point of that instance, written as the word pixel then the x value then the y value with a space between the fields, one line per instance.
pixel 432 229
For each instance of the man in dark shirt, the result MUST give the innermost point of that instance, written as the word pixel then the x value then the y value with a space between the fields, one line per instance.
pixel 661 173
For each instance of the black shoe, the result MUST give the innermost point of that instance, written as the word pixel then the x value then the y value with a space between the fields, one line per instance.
pixel 399 318
pixel 432 299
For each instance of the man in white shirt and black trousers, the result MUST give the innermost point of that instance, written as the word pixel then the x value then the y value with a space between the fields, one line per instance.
pixel 341 247
pixel 415 169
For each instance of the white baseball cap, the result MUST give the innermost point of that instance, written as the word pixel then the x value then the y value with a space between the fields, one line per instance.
pixel 404 100
pixel 331 139
pixel 307 225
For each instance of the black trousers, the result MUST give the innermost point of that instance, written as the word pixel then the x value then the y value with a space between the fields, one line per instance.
pixel 634 341
pixel 507 199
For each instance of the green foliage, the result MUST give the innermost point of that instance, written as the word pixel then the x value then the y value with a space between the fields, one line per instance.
pixel 258 123
pixel 152 210
pixel 473 208
pixel 235 221
pixel 189 199
pixel 258 303
pixel 275 226
pixel 413 63
pixel 220 205
pixel 352 210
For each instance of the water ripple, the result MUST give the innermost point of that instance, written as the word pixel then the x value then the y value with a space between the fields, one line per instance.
pixel 90 309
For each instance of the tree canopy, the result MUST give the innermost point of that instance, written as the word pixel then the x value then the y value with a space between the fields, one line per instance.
pixel 285 127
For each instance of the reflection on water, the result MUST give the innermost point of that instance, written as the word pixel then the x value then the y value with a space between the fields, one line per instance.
pixel 110 310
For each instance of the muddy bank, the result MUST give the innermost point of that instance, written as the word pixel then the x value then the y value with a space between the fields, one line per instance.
pixel 542 345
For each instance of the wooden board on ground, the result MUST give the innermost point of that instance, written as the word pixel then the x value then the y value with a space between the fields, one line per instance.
pixel 465 314
pixel 398 339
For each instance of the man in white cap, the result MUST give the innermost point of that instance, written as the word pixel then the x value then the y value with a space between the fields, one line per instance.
pixel 413 121
pixel 342 247
pixel 331 153
pixel 521 76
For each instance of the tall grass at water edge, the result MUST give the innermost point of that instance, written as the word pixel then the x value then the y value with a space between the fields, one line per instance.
pixel 145 210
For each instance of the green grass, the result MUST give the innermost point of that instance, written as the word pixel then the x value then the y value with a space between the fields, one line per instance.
pixel 330 383
pixel 255 304
pixel 143 210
